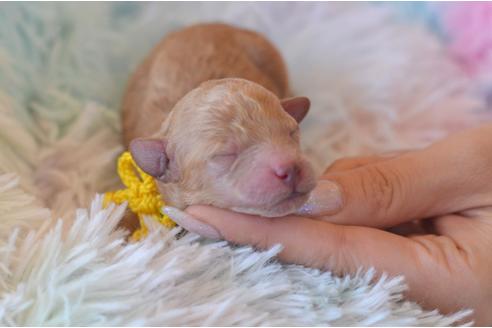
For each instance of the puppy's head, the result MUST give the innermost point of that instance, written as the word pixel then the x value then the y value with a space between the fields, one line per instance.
pixel 233 144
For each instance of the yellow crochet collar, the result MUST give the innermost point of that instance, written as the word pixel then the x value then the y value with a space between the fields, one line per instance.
pixel 141 193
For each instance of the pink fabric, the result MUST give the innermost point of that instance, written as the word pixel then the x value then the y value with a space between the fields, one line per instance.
pixel 469 27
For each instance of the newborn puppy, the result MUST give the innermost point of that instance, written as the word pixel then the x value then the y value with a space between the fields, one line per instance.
pixel 203 115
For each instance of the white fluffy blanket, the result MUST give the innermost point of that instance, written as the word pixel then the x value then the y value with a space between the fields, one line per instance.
pixel 376 84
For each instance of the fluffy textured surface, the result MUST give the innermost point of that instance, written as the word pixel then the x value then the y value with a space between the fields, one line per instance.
pixel 376 84
pixel 79 271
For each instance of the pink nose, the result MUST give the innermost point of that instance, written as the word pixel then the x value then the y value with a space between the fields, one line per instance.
pixel 288 174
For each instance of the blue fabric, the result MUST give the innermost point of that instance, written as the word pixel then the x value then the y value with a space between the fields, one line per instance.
pixel 427 13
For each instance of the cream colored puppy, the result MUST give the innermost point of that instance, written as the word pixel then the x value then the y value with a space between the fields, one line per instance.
pixel 203 115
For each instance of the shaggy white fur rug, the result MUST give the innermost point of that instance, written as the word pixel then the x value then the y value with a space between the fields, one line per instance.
pixel 376 84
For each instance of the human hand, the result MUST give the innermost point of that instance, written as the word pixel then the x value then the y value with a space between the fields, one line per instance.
pixel 445 258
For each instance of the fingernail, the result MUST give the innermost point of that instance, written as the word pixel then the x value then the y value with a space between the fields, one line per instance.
pixel 325 199
pixel 191 224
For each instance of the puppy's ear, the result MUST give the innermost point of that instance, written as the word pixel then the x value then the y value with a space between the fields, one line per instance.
pixel 150 155
pixel 297 107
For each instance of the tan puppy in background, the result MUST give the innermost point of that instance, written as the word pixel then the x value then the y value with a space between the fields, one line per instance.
pixel 203 115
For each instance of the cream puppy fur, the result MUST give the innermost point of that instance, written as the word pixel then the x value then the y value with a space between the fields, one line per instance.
pixel 206 115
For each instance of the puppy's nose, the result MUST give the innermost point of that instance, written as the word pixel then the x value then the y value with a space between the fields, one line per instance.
pixel 288 174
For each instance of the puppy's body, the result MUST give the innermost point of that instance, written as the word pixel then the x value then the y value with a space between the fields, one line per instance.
pixel 188 57
pixel 210 124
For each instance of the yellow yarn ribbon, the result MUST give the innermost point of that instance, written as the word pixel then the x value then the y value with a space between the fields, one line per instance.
pixel 141 193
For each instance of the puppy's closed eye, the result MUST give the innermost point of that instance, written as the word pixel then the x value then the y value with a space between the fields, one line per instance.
pixel 223 161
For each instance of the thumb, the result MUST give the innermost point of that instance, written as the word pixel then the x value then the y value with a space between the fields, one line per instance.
pixel 372 194
pixel 425 183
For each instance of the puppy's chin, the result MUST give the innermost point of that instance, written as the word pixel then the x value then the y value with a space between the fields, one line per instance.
pixel 287 206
